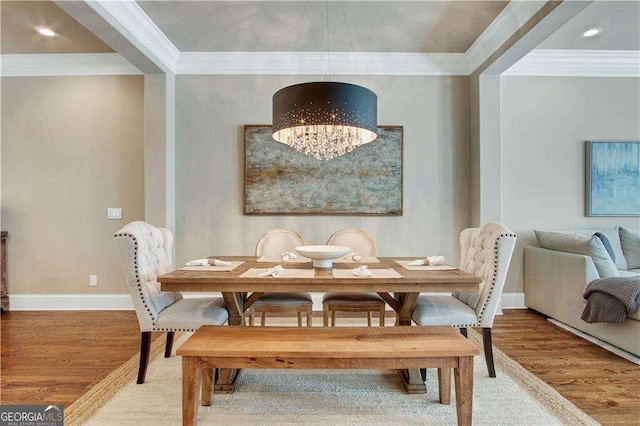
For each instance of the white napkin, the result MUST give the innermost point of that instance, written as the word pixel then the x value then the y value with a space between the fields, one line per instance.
pixel 287 256
pixel 429 260
pixel 207 262
pixel 353 256
pixel 362 272
pixel 277 271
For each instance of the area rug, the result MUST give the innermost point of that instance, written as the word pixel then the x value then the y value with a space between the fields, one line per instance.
pixel 620 352
pixel 330 397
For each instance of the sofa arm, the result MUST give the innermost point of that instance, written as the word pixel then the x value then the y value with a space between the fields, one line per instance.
pixel 554 281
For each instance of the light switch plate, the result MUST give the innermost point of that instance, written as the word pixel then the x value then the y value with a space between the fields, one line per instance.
pixel 114 213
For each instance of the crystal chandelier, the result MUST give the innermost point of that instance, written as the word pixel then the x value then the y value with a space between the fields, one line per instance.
pixel 325 119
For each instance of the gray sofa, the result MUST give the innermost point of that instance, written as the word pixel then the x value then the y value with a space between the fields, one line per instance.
pixel 556 274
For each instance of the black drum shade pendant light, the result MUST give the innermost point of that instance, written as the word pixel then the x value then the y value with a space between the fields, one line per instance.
pixel 325 119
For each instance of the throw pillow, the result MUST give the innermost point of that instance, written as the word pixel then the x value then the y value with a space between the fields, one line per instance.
pixel 630 247
pixel 580 244
pixel 607 245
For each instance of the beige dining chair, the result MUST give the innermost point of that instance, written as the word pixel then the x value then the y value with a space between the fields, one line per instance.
pixel 363 245
pixel 486 252
pixel 273 244
pixel 144 251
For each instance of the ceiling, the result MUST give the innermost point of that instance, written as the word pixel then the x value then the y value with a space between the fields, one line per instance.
pixel 18 20
pixel 620 21
pixel 375 26
pixel 280 26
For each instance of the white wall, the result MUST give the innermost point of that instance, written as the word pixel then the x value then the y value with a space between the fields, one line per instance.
pixel 545 123
pixel 212 110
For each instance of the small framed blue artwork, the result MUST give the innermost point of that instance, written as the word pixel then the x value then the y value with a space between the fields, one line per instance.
pixel 613 178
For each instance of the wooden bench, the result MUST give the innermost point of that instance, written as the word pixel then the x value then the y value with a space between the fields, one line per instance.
pixel 381 348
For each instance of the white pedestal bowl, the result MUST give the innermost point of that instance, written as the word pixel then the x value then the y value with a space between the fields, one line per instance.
pixel 323 255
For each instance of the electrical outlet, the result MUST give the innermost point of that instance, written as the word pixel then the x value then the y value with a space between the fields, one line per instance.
pixel 93 280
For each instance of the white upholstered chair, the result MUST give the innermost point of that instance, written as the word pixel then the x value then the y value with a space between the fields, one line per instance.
pixel 486 252
pixel 273 244
pixel 144 251
pixel 362 244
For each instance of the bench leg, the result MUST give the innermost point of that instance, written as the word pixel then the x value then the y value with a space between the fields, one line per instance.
pixel 208 372
pixel 463 376
pixel 444 385
pixel 191 378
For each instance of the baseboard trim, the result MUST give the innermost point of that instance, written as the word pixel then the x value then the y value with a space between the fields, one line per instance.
pixel 513 301
pixel 70 302
pixel 122 302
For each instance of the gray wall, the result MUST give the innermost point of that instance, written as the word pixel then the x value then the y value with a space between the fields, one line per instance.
pixel 211 112
pixel 71 147
pixel 545 123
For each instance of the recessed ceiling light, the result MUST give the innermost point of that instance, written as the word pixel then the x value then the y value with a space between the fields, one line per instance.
pixel 46 32
pixel 591 32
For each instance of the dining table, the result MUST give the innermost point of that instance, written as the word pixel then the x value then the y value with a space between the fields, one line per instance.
pixel 242 283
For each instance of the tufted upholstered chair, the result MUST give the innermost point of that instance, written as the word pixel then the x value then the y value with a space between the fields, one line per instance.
pixel 273 244
pixel 486 252
pixel 144 251
pixel 362 244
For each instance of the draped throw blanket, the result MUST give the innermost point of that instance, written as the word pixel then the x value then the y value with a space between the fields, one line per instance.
pixel 611 299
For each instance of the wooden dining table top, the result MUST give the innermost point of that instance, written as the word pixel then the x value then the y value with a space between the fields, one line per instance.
pixel 323 280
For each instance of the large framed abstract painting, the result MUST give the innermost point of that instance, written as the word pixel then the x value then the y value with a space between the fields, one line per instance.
pixel 280 180
pixel 613 179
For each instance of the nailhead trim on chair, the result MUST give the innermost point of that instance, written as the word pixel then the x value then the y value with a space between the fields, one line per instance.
pixel 495 273
pixel 139 284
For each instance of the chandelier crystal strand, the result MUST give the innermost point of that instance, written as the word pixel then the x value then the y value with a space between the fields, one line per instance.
pixel 324 141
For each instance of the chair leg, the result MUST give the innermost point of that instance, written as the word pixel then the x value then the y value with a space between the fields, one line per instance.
pixel 263 319
pixel 368 318
pixel 333 318
pixel 309 315
pixel 488 350
pixel 299 319
pixel 382 312
pixel 169 346
pixel 145 346
pixel 463 331
pixel 325 315
pixel 252 317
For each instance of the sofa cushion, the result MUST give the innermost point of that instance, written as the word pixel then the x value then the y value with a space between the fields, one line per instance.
pixel 613 236
pixel 607 245
pixel 580 244
pixel 630 247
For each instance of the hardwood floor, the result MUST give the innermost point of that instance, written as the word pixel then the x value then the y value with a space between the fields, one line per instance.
pixel 55 357
pixel 600 383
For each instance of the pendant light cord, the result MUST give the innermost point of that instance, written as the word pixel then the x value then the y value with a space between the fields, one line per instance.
pixel 295 46
pixel 355 60
pixel 328 40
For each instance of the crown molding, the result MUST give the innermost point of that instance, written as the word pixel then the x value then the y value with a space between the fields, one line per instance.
pixel 506 24
pixel 136 26
pixel 578 63
pixel 341 63
pixel 65 64
pixel 539 62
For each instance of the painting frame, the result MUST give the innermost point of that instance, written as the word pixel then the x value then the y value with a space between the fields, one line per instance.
pixel 251 207
pixel 612 178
